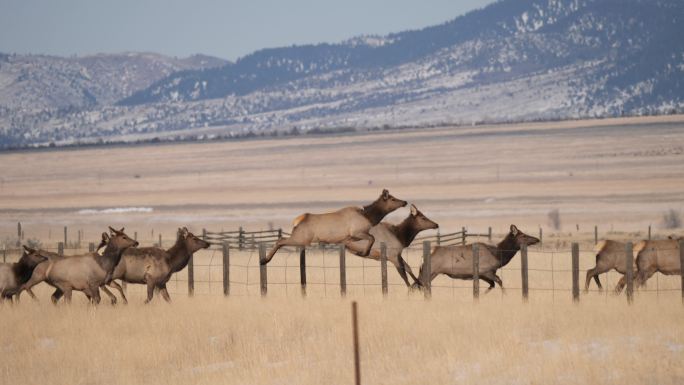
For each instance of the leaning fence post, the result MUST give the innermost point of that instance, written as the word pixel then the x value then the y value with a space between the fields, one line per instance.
pixel 681 265
pixel 191 277
pixel 476 272
pixel 383 267
pixel 302 270
pixel 463 235
pixel 524 272
pixel 629 271
pixel 343 272
pixel 575 272
pixel 595 235
pixel 226 268
pixel 91 247
pixel 263 279
pixel 426 269
pixel 60 248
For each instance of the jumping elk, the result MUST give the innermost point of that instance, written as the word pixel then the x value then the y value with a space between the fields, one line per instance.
pixel 457 261
pixel 88 272
pixel 347 224
pixel 396 238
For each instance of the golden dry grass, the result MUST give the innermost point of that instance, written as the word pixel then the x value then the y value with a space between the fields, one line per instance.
pixel 616 174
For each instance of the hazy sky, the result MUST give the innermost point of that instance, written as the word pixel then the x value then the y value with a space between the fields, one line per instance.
pixel 228 29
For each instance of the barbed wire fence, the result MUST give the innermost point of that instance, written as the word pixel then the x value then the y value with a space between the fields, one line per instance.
pixel 231 267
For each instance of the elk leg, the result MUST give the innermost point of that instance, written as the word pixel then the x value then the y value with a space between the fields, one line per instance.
pixel 112 297
pixel 56 296
pixel 67 295
pixel 620 285
pixel 280 243
pixel 118 287
pixel 369 238
pixel 150 292
pixel 164 293
pixel 93 294
pixel 643 276
pixel 402 271
pixel 498 280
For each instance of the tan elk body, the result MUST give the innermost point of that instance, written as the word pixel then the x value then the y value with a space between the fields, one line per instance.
pixel 347 224
pixel 14 275
pixel 457 261
pixel 88 272
pixel 396 238
pixel 657 256
pixel 609 255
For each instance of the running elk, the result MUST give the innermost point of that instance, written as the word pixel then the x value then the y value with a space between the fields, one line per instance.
pixel 457 261
pixel 657 256
pixel 88 272
pixel 153 266
pixel 13 275
pixel 347 224
pixel 396 239
pixel 609 255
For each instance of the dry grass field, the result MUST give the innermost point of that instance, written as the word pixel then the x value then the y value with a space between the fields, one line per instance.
pixel 620 175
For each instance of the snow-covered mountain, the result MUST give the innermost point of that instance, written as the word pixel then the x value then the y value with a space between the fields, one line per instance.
pixel 513 60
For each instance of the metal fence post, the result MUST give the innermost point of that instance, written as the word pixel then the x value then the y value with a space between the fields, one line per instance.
pixel 575 272
pixel 629 271
pixel 343 271
pixel 524 272
pixel 226 268
pixel 60 248
pixel 302 270
pixel 476 272
pixel 426 269
pixel 383 267
pixel 263 279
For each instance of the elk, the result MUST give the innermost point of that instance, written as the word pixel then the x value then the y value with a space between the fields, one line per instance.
pixel 347 224
pixel 153 266
pixel 609 255
pixel 88 272
pixel 396 238
pixel 657 256
pixel 13 275
pixel 457 261
pixel 38 274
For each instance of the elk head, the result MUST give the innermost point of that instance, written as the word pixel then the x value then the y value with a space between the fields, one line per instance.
pixel 389 203
pixel 31 257
pixel 421 222
pixel 119 239
pixel 192 242
pixel 521 238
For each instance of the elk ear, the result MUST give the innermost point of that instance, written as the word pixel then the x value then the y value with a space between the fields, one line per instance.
pixel 514 230
pixel 111 230
pixel 28 249
pixel 385 194
pixel 105 237
pixel 414 210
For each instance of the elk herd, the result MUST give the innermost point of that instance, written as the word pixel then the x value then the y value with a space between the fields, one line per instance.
pixel 360 229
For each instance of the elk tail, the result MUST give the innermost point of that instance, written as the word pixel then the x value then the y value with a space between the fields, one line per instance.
pixel 299 219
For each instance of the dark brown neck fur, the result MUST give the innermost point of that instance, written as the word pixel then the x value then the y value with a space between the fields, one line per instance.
pixel 22 271
pixel 179 256
pixel 406 231
pixel 506 249
pixel 374 213
pixel 109 259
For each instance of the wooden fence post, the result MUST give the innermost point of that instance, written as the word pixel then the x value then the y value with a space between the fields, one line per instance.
pixel 343 271
pixel 426 271
pixel 191 277
pixel 439 238
pixel 383 267
pixel 649 232
pixel 79 239
pixel 681 265
pixel 65 236
pixel 241 238
pixel 489 234
pixel 575 272
pixel 4 255
pixel 355 335
pixel 524 272
pixel 302 270
pixel 135 236
pixel 91 247
pixel 595 234
pixel 541 238
pixel 226 268
pixel 263 279
pixel 60 248
pixel 463 235
pixel 629 271
pixel 476 272
pixel 160 241
pixel 19 233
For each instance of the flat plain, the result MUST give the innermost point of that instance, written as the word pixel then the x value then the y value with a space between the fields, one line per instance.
pixel 620 175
